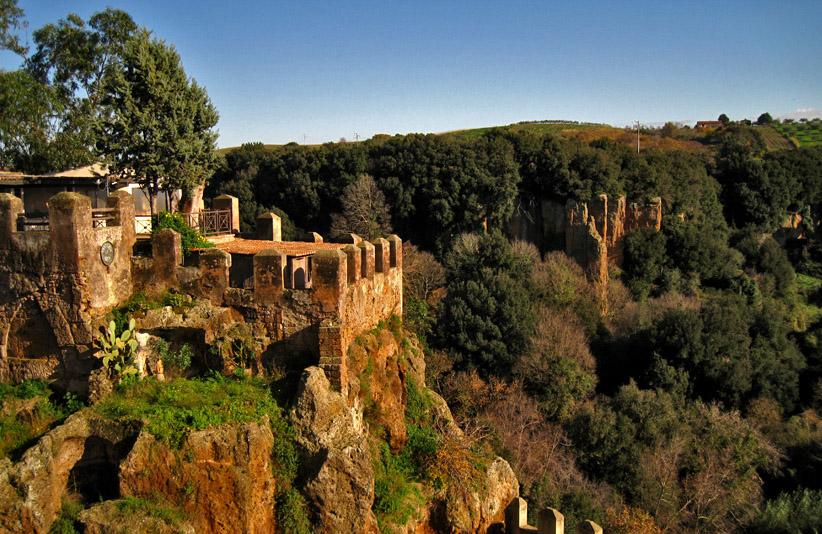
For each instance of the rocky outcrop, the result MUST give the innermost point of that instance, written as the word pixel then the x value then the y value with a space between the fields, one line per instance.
pixel 221 477
pixel 108 518
pixel 80 456
pixel 590 232
pixel 336 467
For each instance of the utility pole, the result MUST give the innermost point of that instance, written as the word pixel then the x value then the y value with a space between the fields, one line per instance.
pixel 356 137
pixel 637 136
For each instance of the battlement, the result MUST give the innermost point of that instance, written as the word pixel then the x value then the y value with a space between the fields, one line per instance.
pixel 549 521
pixel 56 275
pixel 309 298
pixel 94 244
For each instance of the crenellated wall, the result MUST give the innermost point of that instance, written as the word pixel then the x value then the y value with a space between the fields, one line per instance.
pixel 54 286
pixel 549 521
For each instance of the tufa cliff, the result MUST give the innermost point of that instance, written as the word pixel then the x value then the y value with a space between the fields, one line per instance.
pixel 228 478
pixel 590 232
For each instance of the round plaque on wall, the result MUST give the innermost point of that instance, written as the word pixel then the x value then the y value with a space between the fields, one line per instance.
pixel 107 253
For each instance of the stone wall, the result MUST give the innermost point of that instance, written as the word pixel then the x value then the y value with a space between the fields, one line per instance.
pixel 549 521
pixel 55 288
pixel 54 284
pixel 590 232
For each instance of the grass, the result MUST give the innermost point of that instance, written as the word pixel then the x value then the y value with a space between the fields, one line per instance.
pixel 801 134
pixel 156 507
pixel 170 409
pixel 18 431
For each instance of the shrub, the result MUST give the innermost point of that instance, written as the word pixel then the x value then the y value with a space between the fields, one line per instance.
pixel 190 237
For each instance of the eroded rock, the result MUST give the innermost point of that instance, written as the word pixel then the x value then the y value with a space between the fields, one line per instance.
pixel 335 461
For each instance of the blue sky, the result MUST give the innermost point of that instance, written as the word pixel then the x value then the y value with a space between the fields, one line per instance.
pixel 319 71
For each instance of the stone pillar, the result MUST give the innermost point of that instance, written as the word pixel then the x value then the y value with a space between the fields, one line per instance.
pixel 214 271
pixel 72 233
pixel 588 527
pixel 10 208
pixel 123 204
pixel 227 202
pixel 550 521
pixel 329 278
pixel 269 227
pixel 332 355
pixel 395 247
pixel 354 266
pixel 382 253
pixel 312 237
pixel 598 210
pixel 352 239
pixel 268 276
pixel 167 253
pixel 368 259
pixel 516 517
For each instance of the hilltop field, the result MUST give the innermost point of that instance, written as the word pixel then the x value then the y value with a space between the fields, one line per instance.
pixel 776 136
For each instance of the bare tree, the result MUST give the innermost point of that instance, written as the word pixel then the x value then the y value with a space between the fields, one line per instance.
pixel 365 211
pixel 422 274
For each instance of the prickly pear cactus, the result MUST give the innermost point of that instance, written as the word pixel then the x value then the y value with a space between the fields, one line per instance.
pixel 119 351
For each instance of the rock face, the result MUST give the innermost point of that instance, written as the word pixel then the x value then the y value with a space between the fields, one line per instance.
pixel 106 518
pixel 221 477
pixel 82 456
pixel 335 460
pixel 590 232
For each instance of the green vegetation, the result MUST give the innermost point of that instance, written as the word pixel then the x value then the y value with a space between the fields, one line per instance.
pixel 27 410
pixel 119 350
pixel 154 507
pixel 802 134
pixel 190 237
pixel 172 408
pixel 66 521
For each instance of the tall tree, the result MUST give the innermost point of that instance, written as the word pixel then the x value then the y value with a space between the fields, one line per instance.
pixel 11 20
pixel 72 58
pixel 159 128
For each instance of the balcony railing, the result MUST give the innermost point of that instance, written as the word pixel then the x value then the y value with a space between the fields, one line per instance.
pixel 210 222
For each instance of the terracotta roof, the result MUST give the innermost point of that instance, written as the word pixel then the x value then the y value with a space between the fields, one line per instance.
pixel 289 248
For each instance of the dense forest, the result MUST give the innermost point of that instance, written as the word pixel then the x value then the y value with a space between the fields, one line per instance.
pixel 687 398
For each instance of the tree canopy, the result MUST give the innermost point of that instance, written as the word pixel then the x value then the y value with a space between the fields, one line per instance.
pixel 159 124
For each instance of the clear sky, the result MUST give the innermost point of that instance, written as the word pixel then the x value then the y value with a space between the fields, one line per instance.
pixel 320 71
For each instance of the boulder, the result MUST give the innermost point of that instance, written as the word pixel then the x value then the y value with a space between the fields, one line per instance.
pixel 335 461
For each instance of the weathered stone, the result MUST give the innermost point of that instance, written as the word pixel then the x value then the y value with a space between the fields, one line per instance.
pixel 222 477
pixel 106 518
pixel 83 453
pixel 335 461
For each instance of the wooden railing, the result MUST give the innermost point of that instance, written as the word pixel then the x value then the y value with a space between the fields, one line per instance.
pixel 210 222
pixel 102 217
pixel 32 222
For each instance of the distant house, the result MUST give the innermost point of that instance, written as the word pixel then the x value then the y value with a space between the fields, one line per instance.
pixel 708 124
pixel 92 181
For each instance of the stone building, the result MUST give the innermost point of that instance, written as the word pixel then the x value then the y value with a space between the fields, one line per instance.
pixel 57 284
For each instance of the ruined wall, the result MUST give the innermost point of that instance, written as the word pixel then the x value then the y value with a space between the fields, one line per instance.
pixel 591 232
pixel 54 285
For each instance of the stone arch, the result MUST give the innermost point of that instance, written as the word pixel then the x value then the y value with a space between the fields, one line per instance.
pixel 31 335
pixel 31 347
